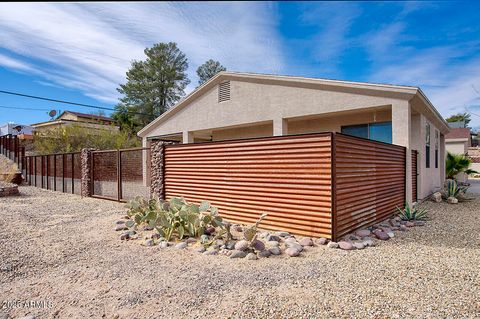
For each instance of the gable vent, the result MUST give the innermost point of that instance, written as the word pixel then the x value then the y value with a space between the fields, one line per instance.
pixel 224 92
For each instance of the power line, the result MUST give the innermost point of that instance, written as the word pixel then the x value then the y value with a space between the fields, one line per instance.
pixel 23 108
pixel 68 102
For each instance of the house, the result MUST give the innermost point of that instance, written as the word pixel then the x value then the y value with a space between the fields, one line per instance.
pixel 458 140
pixel 244 105
pixel 19 130
pixel 92 121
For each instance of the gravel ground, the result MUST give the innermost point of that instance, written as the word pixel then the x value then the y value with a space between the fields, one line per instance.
pixel 62 249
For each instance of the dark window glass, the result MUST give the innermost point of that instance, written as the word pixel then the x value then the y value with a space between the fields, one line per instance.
pixel 381 132
pixel 427 156
pixel 356 130
pixel 436 158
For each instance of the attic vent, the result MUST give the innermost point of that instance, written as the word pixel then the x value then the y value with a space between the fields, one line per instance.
pixel 224 92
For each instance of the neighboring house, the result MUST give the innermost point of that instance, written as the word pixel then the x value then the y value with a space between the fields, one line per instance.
pixel 20 130
pixel 458 140
pixel 94 122
pixel 242 105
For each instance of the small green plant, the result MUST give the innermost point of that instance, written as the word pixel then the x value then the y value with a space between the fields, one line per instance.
pixel 412 213
pixel 250 234
pixel 452 189
pixel 176 216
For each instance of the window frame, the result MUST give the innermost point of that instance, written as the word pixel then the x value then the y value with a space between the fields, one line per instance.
pixel 427 145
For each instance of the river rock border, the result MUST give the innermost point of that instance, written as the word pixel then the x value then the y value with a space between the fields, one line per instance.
pixel 8 189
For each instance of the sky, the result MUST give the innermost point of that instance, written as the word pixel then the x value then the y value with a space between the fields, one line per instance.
pixel 80 52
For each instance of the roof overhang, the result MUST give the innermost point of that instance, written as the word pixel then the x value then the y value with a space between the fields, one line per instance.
pixel 386 90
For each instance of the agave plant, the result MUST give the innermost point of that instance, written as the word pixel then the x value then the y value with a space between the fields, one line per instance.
pixel 458 163
pixel 412 213
pixel 452 189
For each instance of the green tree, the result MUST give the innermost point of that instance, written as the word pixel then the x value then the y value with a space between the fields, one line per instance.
pixel 466 117
pixel 458 163
pixel 207 70
pixel 153 85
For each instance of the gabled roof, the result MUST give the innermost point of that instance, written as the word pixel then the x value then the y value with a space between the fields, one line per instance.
pixel 458 133
pixel 407 92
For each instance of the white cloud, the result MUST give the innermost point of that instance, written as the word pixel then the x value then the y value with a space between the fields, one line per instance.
pixel 90 46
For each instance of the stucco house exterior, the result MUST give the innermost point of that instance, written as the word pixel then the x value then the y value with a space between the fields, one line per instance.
pixel 244 105
pixel 458 140
pixel 94 122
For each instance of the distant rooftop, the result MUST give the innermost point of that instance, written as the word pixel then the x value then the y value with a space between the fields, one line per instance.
pixel 90 116
pixel 458 133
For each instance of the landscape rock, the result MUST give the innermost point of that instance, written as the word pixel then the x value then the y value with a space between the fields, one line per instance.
pixel 403 228
pixel 242 245
pixel 368 242
pixel 251 256
pixel 275 251
pixel 272 243
pixel 209 230
pixel 119 227
pixel 292 252
pixel 211 252
pixel 332 244
pixel 191 240
pixel 258 245
pixel 419 223
pixel 437 197
pixel 181 245
pixel 321 241
pixel 409 224
pixel 125 236
pixel 200 249
pixel 119 222
pixel 345 245
pixel 271 237
pixel 283 234
pixel 363 233
pixel 238 254
pixel 391 234
pixel 452 200
pixel 381 234
pixel 237 228
pixel 230 245
pixel 163 244
pixel 264 254
pixel 306 241
pixel 149 242
pixel 358 245
pixel 294 245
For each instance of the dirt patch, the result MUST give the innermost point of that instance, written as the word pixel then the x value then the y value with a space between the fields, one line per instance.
pixel 62 249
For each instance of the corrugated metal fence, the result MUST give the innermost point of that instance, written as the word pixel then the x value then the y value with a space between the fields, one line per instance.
pixel 414 175
pixel 324 184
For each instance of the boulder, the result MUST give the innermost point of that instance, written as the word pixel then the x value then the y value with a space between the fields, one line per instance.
pixel 363 233
pixel 437 197
pixel 275 251
pixel 238 254
pixel 292 252
pixel 452 200
pixel 332 244
pixel 242 245
pixel 345 245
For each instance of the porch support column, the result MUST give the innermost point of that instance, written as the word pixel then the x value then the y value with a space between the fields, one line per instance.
pixel 280 127
pixel 401 135
pixel 187 137
pixel 146 162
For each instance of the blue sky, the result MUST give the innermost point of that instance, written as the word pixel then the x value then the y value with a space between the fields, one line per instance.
pixel 80 52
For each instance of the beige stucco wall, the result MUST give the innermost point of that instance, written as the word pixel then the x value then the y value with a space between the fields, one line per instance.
pixel 457 146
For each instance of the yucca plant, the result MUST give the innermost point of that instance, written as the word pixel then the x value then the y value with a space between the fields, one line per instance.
pixel 412 213
pixel 457 163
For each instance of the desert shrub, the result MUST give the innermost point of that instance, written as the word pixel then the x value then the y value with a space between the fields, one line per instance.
pixel 451 188
pixel 72 138
pixel 8 169
pixel 412 213
pixel 456 164
pixel 174 217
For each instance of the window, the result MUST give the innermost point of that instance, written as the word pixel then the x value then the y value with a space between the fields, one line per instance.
pixel 427 145
pixel 436 148
pixel 375 131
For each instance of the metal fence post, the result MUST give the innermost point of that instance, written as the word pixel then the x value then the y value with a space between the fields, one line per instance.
pixel 73 170
pixel 63 173
pixel 55 172
pixel 119 175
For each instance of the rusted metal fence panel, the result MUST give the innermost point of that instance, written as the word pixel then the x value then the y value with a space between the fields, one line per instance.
pixel 369 182
pixel 288 177
pixel 132 173
pixel 105 174
pixel 414 175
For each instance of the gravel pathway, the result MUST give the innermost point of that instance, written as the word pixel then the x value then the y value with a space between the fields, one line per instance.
pixel 62 250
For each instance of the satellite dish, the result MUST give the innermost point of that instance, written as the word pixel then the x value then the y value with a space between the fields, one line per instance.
pixel 52 113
